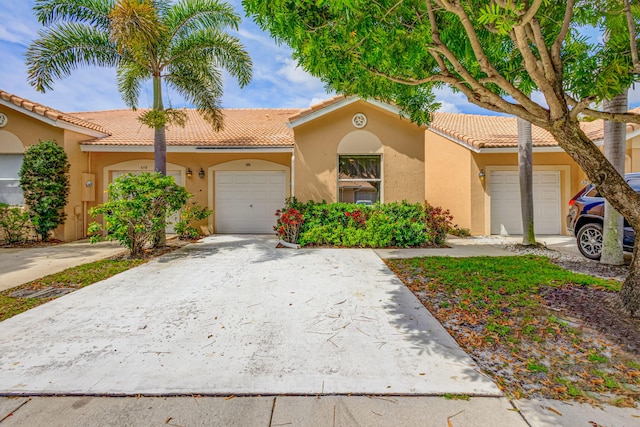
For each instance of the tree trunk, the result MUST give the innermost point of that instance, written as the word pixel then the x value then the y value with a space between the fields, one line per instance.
pixel 613 187
pixel 159 151
pixel 630 292
pixel 614 151
pixel 159 137
pixel 525 167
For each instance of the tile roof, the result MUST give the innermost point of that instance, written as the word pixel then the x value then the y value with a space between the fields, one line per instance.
pixel 316 107
pixel 50 113
pixel 480 131
pixel 263 127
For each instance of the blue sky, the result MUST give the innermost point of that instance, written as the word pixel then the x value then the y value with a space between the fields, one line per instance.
pixel 277 81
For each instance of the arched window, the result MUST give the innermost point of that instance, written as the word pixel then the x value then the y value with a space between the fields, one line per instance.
pixel 360 168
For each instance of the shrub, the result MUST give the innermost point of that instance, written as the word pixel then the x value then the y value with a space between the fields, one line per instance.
pixel 15 224
pixel 438 222
pixel 288 226
pixel 137 209
pixel 401 224
pixel 191 213
pixel 45 184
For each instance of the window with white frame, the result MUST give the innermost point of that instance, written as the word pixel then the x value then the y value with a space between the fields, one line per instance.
pixel 359 178
pixel 10 191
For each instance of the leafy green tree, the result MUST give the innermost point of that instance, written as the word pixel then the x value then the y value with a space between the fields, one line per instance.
pixel 528 58
pixel 182 44
pixel 45 183
pixel 137 208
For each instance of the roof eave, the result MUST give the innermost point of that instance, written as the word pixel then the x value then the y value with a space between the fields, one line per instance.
pixel 54 122
pixel 340 104
pixel 112 148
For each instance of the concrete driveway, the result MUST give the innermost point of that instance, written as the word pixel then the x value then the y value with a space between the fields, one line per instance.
pixel 233 315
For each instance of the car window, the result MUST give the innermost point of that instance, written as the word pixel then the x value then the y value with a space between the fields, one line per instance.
pixel 594 192
pixel 635 183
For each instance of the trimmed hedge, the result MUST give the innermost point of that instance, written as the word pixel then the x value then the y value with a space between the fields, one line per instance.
pixel 396 224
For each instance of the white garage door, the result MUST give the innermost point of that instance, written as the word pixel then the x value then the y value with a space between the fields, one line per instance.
pixel 505 202
pixel 246 202
pixel 177 177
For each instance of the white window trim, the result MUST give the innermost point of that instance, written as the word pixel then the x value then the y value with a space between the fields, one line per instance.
pixel 380 180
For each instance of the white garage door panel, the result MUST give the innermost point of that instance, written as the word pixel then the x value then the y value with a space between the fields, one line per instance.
pixel 505 202
pixel 246 202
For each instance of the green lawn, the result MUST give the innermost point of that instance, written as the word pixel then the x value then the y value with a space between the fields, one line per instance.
pixel 494 308
pixel 76 277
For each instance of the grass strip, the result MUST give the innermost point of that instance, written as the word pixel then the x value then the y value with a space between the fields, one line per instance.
pixel 75 278
pixel 495 309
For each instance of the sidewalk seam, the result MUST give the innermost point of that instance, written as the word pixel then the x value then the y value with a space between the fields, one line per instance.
pixel 15 410
pixel 273 409
pixel 513 405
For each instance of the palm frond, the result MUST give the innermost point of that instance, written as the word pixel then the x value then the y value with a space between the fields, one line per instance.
pixel 94 12
pixel 217 48
pixel 130 76
pixel 201 85
pixel 65 47
pixel 189 15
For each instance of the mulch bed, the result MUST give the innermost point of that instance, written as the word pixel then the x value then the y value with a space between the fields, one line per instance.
pixel 597 310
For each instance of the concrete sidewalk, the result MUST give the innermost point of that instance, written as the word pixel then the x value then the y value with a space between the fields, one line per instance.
pixel 482 246
pixel 22 265
pixel 322 410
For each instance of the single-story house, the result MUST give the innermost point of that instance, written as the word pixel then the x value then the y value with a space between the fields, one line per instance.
pixel 344 149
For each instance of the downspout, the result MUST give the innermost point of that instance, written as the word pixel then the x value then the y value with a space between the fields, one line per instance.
pixel 293 174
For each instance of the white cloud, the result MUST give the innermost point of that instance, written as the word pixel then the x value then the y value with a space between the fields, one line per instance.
pixel 296 75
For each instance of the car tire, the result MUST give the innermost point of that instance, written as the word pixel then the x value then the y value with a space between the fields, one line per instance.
pixel 589 240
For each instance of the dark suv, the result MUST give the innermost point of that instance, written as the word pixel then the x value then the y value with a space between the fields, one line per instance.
pixel 586 212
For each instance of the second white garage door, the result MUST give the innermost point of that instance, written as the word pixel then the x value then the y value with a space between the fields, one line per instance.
pixel 505 202
pixel 246 202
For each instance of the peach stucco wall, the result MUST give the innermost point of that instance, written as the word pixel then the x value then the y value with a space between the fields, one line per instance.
pixel 448 177
pixel 452 179
pixel 316 153
pixel 201 188
pixel 29 131
pixel 570 182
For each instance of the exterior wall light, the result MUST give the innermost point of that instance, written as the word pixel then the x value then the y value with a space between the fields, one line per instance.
pixel 481 174
pixel 201 173
pixel 189 173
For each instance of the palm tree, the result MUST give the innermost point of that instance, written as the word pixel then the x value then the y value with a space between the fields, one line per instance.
pixel 182 44
pixel 615 145
pixel 525 167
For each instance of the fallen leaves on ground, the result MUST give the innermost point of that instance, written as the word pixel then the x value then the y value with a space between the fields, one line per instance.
pixel 500 312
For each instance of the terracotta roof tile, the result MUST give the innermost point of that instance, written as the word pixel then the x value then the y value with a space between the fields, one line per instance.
pixel 242 127
pixel 499 131
pixel 316 107
pixel 50 113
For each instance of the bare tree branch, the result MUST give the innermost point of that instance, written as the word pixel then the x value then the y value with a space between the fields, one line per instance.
pixel 564 30
pixel 530 13
pixel 632 36
pixel 614 117
pixel 518 35
pixel 481 57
